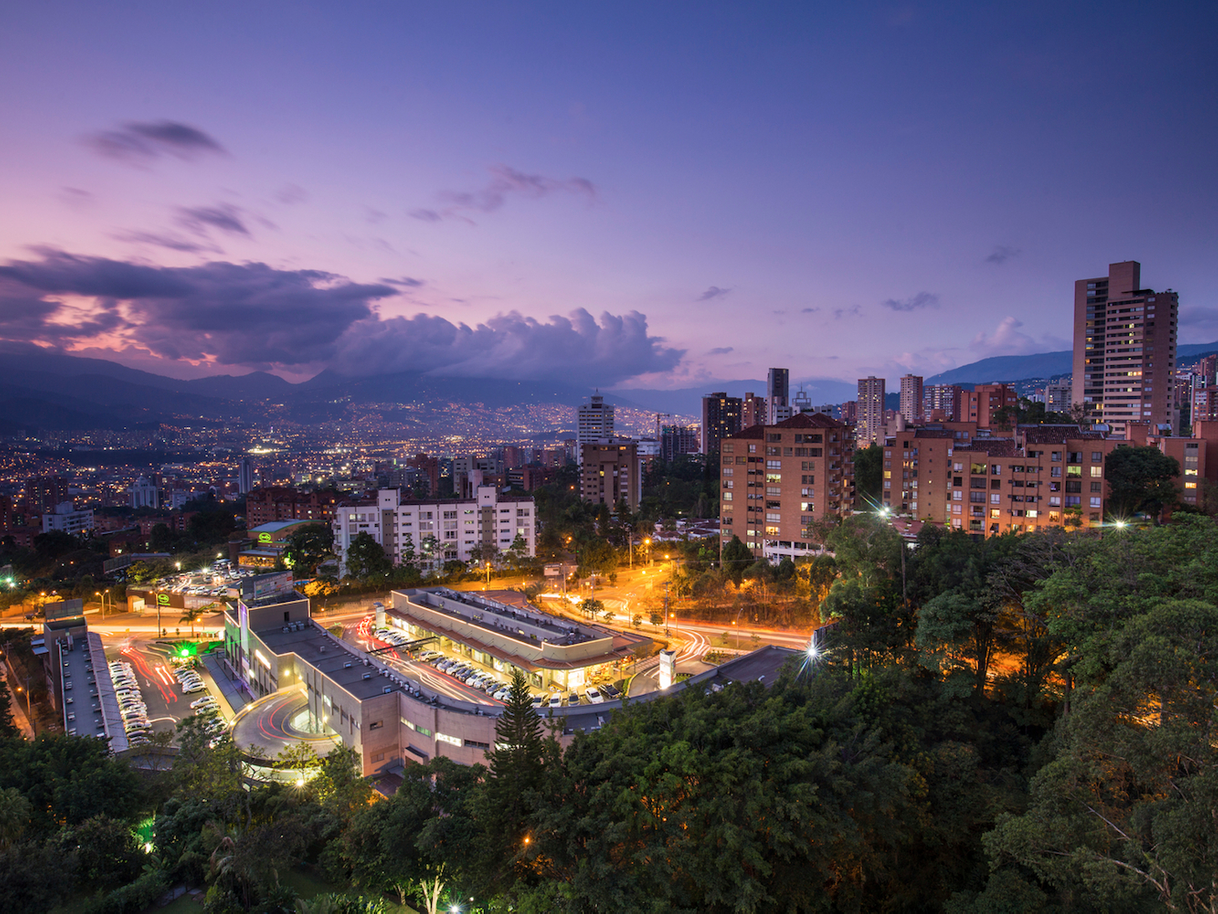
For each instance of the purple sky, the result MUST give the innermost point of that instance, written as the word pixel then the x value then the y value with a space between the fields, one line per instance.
pixel 621 194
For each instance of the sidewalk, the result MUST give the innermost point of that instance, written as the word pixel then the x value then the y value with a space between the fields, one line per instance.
pixel 19 719
pixel 230 695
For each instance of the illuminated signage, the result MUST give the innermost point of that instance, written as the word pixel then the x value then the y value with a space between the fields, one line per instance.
pixel 264 537
pixel 451 740
pixel 162 599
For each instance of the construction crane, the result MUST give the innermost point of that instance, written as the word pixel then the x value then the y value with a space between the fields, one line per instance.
pixel 659 426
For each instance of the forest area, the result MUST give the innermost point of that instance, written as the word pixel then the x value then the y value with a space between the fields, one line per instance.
pixel 1023 724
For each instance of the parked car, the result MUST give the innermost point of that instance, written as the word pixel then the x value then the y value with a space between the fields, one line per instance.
pixel 594 695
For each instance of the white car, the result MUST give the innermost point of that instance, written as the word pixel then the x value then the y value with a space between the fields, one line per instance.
pixel 556 700
pixel 594 695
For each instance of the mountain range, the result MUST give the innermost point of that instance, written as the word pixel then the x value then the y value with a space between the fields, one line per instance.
pixel 51 390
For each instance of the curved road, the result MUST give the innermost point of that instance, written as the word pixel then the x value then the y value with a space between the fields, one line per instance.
pixel 267 724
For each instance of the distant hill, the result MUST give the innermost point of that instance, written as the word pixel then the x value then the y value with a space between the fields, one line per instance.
pixel 51 390
pixel 1008 368
pixel 1041 365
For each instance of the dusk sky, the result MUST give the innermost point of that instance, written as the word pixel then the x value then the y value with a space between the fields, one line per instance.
pixel 631 194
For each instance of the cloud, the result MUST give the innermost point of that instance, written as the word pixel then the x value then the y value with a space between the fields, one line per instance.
pixel 1002 254
pixel 712 292
pixel 225 217
pixel 839 313
pixel 139 143
pixel 253 315
pixel 1008 340
pixel 509 345
pixel 505 182
pixel 917 302
pixel 406 282
pixel 722 350
pixel 168 240
pixel 808 310
pixel 231 314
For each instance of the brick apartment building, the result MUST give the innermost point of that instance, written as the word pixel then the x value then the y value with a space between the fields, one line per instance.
pixel 776 481
pixel 610 472
pixel 267 504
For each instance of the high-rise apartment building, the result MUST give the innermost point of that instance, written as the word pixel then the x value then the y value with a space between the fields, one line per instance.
pixel 44 494
pixel 777 481
pixel 941 402
pixel 245 475
pixel 595 420
pixel 870 426
pixel 1124 348
pixel 1057 396
pixel 721 417
pixel 778 394
pixel 677 441
pixel 753 411
pixel 911 399
pixel 609 472
pixel 145 494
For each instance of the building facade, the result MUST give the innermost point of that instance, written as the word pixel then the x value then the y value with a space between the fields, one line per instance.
pixel 777 481
pixel 778 395
pixel 941 402
pixel 595 421
pixel 722 417
pixel 609 472
pixel 278 503
pixel 982 403
pixel 911 399
pixel 429 533
pixel 870 418
pixel 1124 349
pixel 679 440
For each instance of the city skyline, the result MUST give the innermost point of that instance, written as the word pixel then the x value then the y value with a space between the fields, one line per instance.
pixel 663 199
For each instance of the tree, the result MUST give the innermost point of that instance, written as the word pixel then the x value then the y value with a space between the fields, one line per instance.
pixel 366 558
pixel 107 851
pixel 421 838
pixel 736 558
pixel 1140 479
pixel 1127 804
pixel 592 607
pixel 308 547
pixel 15 811
pixel 517 775
pixel 868 475
pixel 517 554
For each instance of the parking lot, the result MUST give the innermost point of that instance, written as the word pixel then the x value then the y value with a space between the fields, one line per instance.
pixel 155 694
pixel 433 667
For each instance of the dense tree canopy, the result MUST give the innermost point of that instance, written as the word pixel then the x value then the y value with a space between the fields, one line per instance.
pixel 1140 479
pixel 1021 723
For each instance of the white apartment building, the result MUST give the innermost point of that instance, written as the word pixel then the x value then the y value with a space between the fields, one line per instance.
pixel 437 531
pixel 68 520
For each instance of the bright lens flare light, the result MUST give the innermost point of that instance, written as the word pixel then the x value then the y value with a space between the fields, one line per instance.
pixel 812 654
